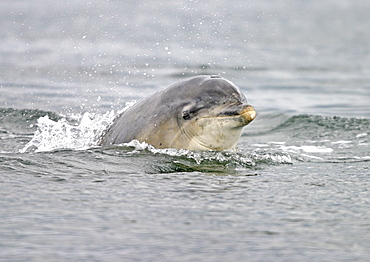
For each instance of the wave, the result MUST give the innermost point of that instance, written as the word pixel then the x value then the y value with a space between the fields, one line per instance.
pixel 273 139
pixel 335 123
pixel 181 160
pixel 21 120
pixel 312 126
pixel 314 138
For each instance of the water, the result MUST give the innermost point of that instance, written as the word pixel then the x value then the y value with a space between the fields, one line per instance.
pixel 297 188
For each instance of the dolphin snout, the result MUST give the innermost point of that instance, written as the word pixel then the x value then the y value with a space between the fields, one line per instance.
pixel 248 113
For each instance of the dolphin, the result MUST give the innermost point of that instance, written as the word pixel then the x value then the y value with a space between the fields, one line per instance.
pixel 204 112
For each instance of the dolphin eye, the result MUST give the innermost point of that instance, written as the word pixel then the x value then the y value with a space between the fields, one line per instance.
pixel 191 109
pixel 186 115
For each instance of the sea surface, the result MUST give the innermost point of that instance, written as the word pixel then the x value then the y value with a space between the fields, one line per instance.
pixel 297 187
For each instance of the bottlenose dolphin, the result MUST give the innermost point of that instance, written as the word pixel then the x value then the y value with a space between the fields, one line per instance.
pixel 198 113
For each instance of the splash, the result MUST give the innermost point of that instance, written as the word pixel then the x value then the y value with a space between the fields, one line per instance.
pixel 233 158
pixel 51 135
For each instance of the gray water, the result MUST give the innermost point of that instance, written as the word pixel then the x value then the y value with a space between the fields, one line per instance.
pixel 297 188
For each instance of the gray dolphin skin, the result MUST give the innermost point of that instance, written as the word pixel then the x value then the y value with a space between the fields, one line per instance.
pixel 198 113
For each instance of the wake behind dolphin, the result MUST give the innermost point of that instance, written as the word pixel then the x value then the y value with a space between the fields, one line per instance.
pixel 198 113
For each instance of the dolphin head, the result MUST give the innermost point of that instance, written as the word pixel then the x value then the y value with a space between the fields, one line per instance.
pixel 200 113
pixel 215 116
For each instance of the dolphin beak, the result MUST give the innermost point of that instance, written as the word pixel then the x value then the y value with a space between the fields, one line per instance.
pixel 248 113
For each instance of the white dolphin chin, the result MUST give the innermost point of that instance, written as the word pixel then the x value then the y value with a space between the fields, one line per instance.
pixel 213 133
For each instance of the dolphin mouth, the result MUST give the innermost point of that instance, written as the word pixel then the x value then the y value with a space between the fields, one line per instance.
pixel 241 115
pixel 236 115
pixel 245 111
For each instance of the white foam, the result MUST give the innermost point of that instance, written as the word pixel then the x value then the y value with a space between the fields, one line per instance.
pixel 361 135
pixel 139 146
pixel 342 142
pixel 51 135
pixel 127 106
pixel 260 145
pixel 225 157
pixel 308 149
pixel 277 143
